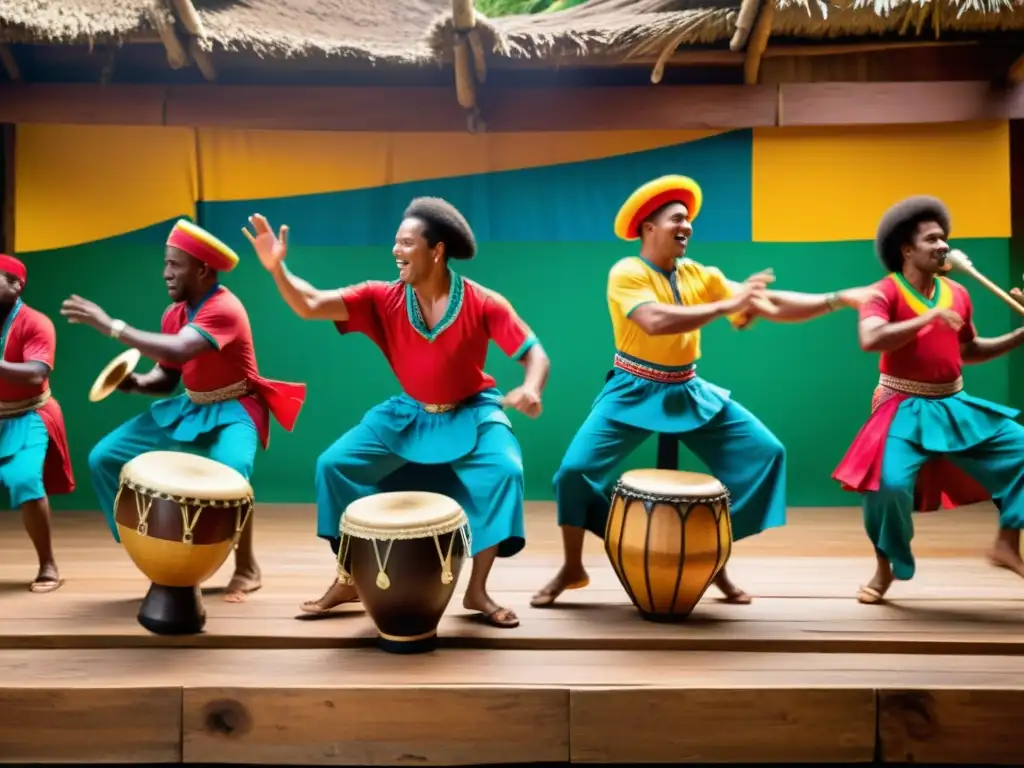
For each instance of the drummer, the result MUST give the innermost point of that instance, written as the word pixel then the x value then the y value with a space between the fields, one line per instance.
pixel 35 462
pixel 206 341
pixel 433 326
pixel 658 301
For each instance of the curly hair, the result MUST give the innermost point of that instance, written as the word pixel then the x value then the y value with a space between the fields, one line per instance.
pixel 442 223
pixel 899 225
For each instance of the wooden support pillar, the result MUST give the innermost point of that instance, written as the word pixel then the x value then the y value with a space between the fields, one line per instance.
pixel 6 188
pixel 1016 275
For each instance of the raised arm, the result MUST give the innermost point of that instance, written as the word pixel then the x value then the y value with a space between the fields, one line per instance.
pixel 307 302
pixel 176 348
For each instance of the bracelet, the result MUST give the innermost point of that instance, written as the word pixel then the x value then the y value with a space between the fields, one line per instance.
pixel 832 301
pixel 117 328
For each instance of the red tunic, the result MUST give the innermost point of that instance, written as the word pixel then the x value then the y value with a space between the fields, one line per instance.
pixel 33 337
pixel 222 319
pixel 444 366
pixel 933 357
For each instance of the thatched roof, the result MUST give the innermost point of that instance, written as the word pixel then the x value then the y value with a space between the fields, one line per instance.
pixel 863 18
pixel 613 28
pixel 382 30
pixel 420 31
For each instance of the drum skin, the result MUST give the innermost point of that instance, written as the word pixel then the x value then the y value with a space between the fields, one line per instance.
pixel 160 554
pixel 410 609
pixel 668 535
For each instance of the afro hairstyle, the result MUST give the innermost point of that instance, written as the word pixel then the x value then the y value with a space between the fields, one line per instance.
pixel 899 224
pixel 442 223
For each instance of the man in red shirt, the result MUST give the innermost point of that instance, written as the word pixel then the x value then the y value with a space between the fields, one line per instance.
pixel 433 326
pixel 205 340
pixel 35 462
pixel 924 429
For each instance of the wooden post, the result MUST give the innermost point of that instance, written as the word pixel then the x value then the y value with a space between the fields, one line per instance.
pixel 6 188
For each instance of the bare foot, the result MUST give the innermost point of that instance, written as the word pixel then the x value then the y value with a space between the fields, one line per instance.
pixel 874 591
pixel 337 595
pixel 47 580
pixel 243 583
pixel 1004 555
pixel 495 615
pixel 568 577
pixel 731 593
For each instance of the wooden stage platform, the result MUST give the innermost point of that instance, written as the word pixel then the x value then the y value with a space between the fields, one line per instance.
pixel 803 674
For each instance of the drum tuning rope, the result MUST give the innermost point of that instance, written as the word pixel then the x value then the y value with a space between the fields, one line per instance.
pixel 144 498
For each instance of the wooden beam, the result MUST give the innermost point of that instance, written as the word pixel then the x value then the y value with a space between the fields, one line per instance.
pixel 758 42
pixel 6 188
pixel 510 109
pixel 9 63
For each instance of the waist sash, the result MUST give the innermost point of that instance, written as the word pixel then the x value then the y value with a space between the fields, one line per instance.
pixel 224 394
pixel 10 409
pixel 653 372
pixel 921 388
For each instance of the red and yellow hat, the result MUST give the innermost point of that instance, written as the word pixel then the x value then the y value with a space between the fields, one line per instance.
pixel 650 197
pixel 200 244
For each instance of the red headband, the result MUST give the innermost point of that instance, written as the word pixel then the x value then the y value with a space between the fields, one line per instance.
pixel 12 266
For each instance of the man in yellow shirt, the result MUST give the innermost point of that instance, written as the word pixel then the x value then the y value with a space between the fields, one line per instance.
pixel 658 303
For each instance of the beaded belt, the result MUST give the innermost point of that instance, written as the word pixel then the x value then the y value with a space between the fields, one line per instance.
pixel 222 395
pixel 651 373
pixel 8 410
pixel 921 388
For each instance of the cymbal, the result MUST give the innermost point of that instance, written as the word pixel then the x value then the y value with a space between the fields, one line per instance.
pixel 116 371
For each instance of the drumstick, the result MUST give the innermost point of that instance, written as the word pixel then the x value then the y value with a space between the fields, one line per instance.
pixel 960 261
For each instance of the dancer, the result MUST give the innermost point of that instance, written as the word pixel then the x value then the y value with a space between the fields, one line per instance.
pixel 205 340
pixel 921 323
pixel 433 326
pixel 35 462
pixel 658 302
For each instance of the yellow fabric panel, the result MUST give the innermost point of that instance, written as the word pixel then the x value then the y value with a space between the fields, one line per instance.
pixel 829 184
pixel 252 165
pixel 633 282
pixel 76 184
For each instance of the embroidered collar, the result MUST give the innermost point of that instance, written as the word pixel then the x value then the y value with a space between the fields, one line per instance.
pixel 455 299
pixel 191 312
pixel 942 296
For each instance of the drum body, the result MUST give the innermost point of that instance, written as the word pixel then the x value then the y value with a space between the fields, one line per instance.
pixel 668 536
pixel 179 516
pixel 404 552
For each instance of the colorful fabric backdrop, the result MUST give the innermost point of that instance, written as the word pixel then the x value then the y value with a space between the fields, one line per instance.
pixel 94 204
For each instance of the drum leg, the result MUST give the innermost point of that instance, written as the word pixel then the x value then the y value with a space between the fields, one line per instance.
pixel 173 610
pixel 417 644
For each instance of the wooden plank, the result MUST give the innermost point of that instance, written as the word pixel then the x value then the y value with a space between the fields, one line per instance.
pixel 509 109
pixel 951 726
pixel 367 726
pixel 729 726
pixel 90 725
pixel 817 104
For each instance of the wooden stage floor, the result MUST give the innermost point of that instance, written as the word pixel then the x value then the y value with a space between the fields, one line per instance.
pixel 804 673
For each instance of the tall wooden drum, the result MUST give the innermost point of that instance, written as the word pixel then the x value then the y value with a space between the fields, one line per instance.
pixel 404 552
pixel 179 516
pixel 668 536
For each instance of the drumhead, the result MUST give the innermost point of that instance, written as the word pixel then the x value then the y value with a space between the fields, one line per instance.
pixel 402 514
pixel 183 474
pixel 672 483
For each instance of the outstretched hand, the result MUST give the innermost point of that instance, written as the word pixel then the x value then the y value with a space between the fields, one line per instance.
pixel 270 248
pixel 79 310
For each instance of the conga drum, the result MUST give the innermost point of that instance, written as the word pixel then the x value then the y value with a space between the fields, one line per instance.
pixel 179 516
pixel 404 552
pixel 668 536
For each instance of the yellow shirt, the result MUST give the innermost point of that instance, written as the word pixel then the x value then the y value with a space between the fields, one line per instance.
pixel 633 282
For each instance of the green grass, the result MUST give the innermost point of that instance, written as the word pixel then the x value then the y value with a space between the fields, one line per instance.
pixel 495 8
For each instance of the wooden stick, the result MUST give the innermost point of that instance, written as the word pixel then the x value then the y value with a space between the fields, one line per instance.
pixel 995 289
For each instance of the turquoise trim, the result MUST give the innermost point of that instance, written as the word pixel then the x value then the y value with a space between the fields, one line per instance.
pixel 191 312
pixel 656 366
pixel 451 314
pixel 7 326
pixel 670 275
pixel 525 347
pixel 634 309
pixel 205 335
